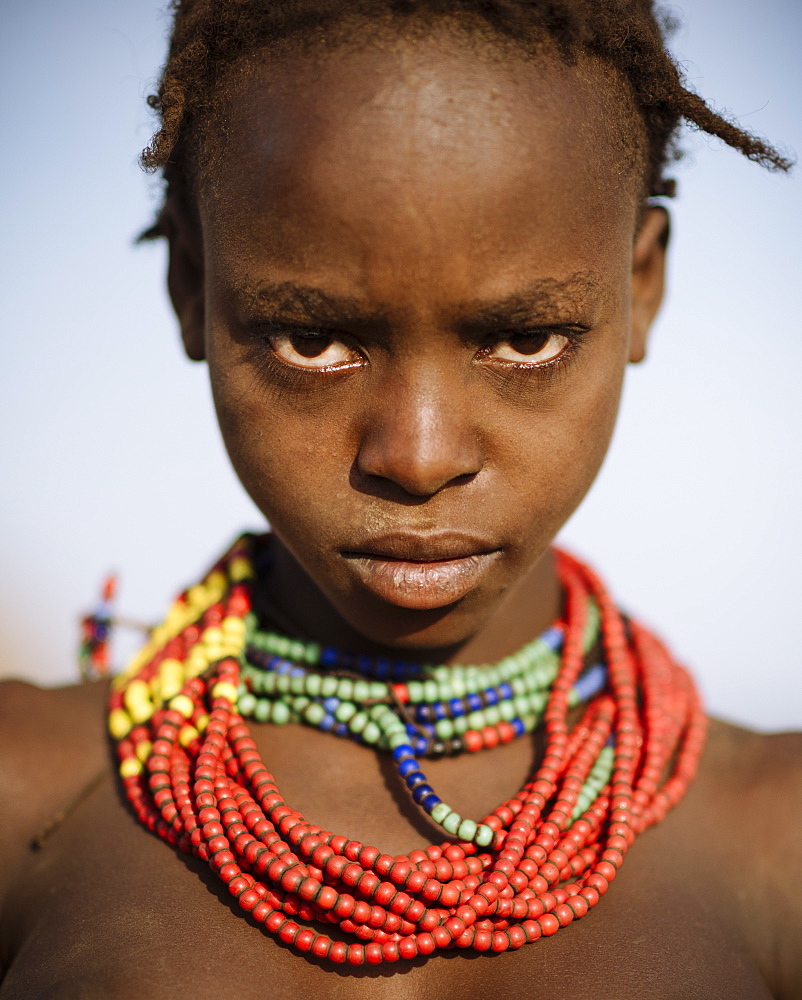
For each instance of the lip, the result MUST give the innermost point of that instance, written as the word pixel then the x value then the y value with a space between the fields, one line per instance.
pixel 421 572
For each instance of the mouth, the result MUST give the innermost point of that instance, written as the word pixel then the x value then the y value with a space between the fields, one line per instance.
pixel 421 572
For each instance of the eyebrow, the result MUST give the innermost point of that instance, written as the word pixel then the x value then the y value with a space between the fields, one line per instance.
pixel 553 295
pixel 545 294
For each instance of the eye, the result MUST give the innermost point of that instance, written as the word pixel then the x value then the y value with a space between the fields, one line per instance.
pixel 313 350
pixel 532 347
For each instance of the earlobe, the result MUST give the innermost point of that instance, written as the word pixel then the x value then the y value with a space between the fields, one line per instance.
pixel 185 282
pixel 648 277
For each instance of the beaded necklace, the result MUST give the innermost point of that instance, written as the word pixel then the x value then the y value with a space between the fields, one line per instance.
pixel 537 862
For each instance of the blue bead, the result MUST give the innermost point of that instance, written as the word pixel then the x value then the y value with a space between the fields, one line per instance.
pixel 428 802
pixel 382 668
pixel 331 704
pixel 474 702
pixel 405 750
pixel 591 682
pixel 341 729
pixel 518 725
pixel 297 672
pixel 553 637
pixel 420 792
pixel 407 766
pixel 457 707
pixel 415 778
pixel 327 722
pixel 329 657
pixel 440 711
pixel 610 740
pixel 505 691
pixel 364 664
pixel 491 696
pixel 421 746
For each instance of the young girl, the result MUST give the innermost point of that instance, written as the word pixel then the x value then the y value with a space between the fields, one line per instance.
pixel 415 245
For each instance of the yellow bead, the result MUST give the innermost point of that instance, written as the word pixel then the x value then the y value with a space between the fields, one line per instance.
pixel 187 734
pixel 214 651
pixel 137 700
pixel 196 663
pixel 130 767
pixel 171 677
pixel 240 569
pixel 233 627
pixel 142 711
pixel 119 723
pixel 216 585
pixel 223 689
pixel 143 749
pixel 182 703
pixel 202 722
pixel 196 596
pixel 212 636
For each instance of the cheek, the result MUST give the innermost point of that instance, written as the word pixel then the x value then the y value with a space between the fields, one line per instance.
pixel 556 451
pixel 291 459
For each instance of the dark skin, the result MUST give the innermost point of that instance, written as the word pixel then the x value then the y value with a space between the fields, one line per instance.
pixel 451 241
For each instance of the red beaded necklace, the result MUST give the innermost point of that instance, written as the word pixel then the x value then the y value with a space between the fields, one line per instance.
pixel 194 776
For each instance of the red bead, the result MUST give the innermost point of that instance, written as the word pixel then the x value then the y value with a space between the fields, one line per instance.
pixel 407 947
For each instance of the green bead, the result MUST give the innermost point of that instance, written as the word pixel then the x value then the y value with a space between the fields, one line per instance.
pixel 344 711
pixel 371 732
pixel 492 715
pixel 361 691
pixel 484 835
pixel 444 728
pixel 451 823
pixel 345 689
pixel 297 685
pixel 466 830
pixel 261 710
pixel 415 689
pixel 475 720
pixel 280 713
pixel 313 714
pixel 297 651
pixel 246 703
pixel 328 687
pixel 357 722
pixel 440 811
pixel 313 684
pixel 312 654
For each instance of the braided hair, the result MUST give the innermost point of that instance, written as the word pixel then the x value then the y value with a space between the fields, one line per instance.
pixel 208 36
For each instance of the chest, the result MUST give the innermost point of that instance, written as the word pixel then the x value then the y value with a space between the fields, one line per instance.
pixel 109 910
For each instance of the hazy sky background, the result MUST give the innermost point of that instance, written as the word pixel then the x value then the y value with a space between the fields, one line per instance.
pixel 110 453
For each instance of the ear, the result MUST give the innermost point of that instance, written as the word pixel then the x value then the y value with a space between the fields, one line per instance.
pixel 185 281
pixel 648 277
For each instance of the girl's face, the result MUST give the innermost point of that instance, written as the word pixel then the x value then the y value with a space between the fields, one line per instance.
pixel 417 286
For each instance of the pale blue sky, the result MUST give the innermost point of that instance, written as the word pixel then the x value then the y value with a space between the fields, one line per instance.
pixel 110 453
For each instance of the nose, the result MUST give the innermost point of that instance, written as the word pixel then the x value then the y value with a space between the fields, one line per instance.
pixel 421 436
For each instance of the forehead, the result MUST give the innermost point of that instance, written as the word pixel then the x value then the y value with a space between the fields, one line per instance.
pixel 436 145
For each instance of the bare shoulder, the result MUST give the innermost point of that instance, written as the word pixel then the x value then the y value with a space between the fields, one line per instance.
pixel 52 744
pixel 752 784
pixel 764 767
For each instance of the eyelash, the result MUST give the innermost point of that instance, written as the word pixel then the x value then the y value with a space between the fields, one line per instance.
pixel 296 377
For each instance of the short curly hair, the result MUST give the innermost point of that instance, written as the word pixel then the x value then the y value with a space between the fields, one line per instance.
pixel 208 36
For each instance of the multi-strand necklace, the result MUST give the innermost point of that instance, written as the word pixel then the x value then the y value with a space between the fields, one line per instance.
pixel 537 862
